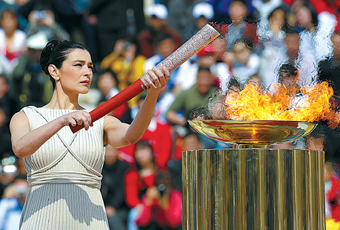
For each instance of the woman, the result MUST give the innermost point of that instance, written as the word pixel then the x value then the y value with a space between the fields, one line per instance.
pixel 139 180
pixel 12 39
pixel 64 168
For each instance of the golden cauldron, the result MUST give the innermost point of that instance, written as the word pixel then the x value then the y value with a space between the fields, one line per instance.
pixel 253 187
pixel 256 133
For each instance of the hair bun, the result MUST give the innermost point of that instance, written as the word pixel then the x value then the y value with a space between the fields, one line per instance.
pixel 46 54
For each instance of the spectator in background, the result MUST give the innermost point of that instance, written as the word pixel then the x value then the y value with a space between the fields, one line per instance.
pixel 329 69
pixel 107 84
pixel 288 76
pixel 207 57
pixel 43 21
pixel 265 7
pixel 11 204
pixel 181 18
pixel 246 62
pixel 332 192
pixel 12 40
pixel 162 205
pixel 157 26
pixel 139 179
pixel 110 24
pixel 193 98
pixel 239 28
pixel 5 136
pixel 8 172
pixel 8 106
pixel 271 35
pixel 202 13
pixel 315 30
pixel 8 101
pixel 221 8
pixel 127 63
pixel 166 45
pixel 158 133
pixel 327 10
pixel 31 84
pixel 292 56
pixel 112 189
pixel 191 141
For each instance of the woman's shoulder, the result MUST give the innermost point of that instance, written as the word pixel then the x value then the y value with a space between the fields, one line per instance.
pixel 19 119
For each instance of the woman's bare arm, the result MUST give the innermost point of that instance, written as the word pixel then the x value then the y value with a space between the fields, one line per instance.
pixel 25 142
pixel 119 134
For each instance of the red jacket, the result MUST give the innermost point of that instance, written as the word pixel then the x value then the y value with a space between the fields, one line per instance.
pixel 133 184
pixel 323 6
pixel 161 142
pixel 147 40
pixel 333 195
pixel 171 216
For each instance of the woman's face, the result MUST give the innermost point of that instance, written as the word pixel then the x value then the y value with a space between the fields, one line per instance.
pixel 278 18
pixel 76 74
pixel 143 155
pixel 9 23
pixel 242 52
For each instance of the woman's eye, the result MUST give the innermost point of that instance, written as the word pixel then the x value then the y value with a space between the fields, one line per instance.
pixel 78 65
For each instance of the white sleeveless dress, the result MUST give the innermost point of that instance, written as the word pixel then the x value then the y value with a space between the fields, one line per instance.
pixel 64 175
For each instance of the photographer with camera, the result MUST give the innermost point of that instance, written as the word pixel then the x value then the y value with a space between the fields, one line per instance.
pixel 127 63
pixel 44 20
pixel 162 205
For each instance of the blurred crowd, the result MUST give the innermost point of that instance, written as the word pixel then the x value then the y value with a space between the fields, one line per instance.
pixel 293 42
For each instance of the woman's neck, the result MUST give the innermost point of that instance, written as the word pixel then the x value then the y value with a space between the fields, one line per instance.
pixel 61 100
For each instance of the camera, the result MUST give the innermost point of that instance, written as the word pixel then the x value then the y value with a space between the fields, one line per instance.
pixel 126 45
pixel 161 189
pixel 40 15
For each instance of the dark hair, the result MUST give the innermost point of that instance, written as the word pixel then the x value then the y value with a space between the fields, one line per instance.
pixel 288 68
pixel 55 52
pixel 291 30
pixel 313 13
pixel 10 10
pixel 203 68
pixel 285 10
pixel 163 36
pixel 234 82
pixel 248 43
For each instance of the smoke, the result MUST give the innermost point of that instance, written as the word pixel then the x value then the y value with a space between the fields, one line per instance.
pixel 313 47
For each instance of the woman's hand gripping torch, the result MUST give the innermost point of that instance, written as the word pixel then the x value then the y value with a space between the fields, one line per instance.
pixel 197 42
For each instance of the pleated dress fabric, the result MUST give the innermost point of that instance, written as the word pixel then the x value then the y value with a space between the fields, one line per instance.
pixel 64 175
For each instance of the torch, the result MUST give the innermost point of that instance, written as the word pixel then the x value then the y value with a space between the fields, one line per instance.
pixel 197 42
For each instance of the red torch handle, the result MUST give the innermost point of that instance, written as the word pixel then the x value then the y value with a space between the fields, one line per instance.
pixel 128 93
pixel 197 42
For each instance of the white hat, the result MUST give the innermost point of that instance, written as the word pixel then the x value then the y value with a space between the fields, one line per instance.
pixel 158 10
pixel 203 9
pixel 37 41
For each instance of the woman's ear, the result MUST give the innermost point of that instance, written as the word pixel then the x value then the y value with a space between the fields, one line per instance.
pixel 54 72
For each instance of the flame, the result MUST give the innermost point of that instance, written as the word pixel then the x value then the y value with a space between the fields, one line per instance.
pixel 313 103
